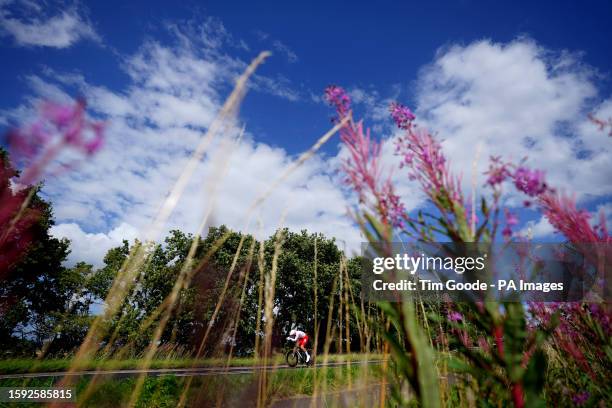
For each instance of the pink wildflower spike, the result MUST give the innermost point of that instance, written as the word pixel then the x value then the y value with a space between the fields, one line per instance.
pixel 511 221
pixel 39 133
pixel 402 115
pixel 507 232
pixel 483 344
pixel 455 316
pixel 428 165
pixel 62 115
pixel 530 182
pixel 511 218
pixel 338 98
pixel 562 213
pixel 423 156
pixel 58 126
pixel 581 398
pixel 362 168
pixel 498 171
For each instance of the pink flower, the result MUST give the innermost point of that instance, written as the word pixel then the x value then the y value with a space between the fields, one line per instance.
pixel 511 220
pixel 57 127
pixel 562 213
pixel 602 317
pixel 498 171
pixel 337 97
pixel 483 344
pixel 530 182
pixel 426 162
pixel 455 316
pixel 581 398
pixel 393 205
pixel 62 115
pixel 363 169
pixel 402 116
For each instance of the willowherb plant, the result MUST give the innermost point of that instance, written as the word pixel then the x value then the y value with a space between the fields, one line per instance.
pixel 582 333
pixel 383 211
pixel 422 155
pixel 364 169
pixel 503 325
pixel 573 222
pixel 56 127
pixel 510 360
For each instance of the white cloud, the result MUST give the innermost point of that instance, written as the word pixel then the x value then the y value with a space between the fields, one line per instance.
pixel 515 100
pixel 518 100
pixel 153 126
pixel 30 25
pixel 282 48
pixel 91 247
pixel 278 86
pixel 277 45
pixel 538 229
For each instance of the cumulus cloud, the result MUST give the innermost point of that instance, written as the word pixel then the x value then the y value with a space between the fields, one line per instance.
pixel 31 25
pixel 538 229
pixel 91 247
pixel 518 100
pixel 513 99
pixel 153 126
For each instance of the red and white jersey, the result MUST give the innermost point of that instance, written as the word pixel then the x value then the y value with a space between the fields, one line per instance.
pixel 298 335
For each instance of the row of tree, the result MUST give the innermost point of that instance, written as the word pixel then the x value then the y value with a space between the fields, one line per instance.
pixel 47 307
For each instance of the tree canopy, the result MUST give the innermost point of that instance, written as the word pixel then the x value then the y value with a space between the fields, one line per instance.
pixel 46 306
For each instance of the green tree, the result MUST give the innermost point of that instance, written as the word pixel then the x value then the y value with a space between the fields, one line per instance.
pixel 36 288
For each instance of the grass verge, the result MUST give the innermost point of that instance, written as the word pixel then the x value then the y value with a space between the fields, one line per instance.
pixel 28 365
pixel 219 390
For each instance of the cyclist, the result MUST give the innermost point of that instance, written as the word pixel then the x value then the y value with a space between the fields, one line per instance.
pixel 300 338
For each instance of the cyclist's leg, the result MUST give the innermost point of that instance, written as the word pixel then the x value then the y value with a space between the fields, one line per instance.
pixel 303 347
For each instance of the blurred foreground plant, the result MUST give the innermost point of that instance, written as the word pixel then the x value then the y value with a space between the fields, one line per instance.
pixel 39 295
pixel 497 345
pixel 38 144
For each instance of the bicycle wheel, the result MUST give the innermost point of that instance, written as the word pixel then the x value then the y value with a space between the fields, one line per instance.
pixel 292 358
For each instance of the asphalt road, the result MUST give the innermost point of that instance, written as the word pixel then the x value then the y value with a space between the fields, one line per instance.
pixel 179 372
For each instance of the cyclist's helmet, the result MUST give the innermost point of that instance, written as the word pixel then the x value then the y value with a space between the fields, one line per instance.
pixel 292 332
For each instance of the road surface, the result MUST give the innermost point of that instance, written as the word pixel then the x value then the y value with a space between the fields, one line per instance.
pixel 179 372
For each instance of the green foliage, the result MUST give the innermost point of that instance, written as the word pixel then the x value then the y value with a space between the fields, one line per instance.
pixel 47 307
pixel 411 350
pixel 38 293
pixel 295 283
pixel 293 304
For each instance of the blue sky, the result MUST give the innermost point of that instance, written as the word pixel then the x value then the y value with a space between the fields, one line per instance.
pixel 473 71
